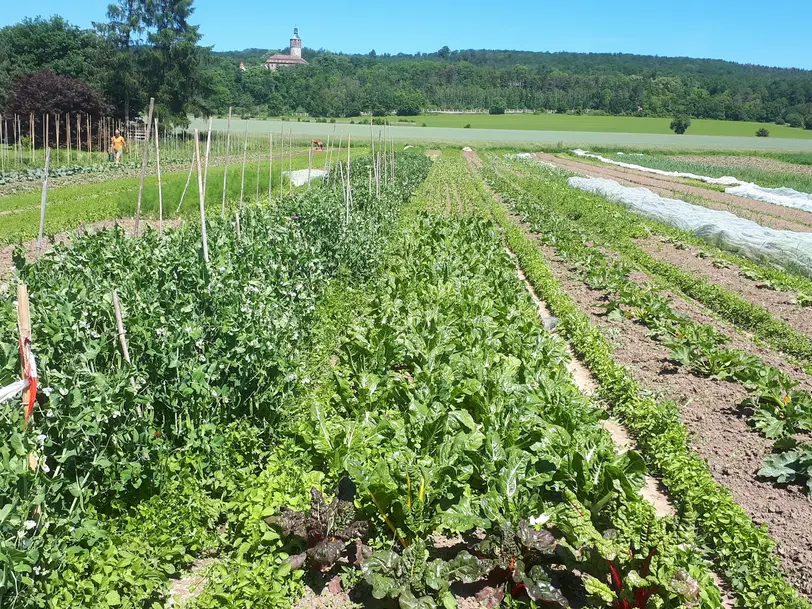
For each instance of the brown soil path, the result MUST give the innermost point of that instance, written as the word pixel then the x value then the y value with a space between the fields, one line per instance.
pixel 753 162
pixel 766 214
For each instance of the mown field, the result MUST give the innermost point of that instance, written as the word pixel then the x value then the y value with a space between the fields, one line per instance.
pixel 439 380
pixel 604 124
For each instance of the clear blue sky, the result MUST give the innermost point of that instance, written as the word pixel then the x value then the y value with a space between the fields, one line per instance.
pixel 748 31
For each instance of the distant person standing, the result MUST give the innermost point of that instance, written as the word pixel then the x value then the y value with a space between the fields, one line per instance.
pixel 119 144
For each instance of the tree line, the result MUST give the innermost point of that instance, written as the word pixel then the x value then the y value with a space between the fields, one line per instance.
pixel 149 48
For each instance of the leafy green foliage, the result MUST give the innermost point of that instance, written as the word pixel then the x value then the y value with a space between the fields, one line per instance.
pixel 680 124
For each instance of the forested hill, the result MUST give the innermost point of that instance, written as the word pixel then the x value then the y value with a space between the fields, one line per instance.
pixel 336 84
pixel 115 68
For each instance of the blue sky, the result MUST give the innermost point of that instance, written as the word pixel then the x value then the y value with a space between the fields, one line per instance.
pixel 746 31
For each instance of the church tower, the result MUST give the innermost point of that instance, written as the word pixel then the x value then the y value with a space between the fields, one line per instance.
pixel 296 44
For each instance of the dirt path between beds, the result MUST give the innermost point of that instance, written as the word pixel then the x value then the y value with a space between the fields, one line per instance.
pixel 766 214
pixel 719 430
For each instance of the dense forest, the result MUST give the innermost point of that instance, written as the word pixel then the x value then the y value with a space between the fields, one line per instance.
pixel 149 49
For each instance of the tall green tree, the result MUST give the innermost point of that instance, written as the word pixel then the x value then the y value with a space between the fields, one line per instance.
pixel 124 27
pixel 175 75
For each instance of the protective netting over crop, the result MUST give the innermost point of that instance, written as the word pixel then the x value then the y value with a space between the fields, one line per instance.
pixel 787 197
pixel 787 249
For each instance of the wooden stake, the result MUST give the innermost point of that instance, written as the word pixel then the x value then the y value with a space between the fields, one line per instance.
pixel 56 120
pixel 237 220
pixel 202 201
pixel 225 173
pixel 160 189
pixel 143 166
pixel 44 200
pixel 89 137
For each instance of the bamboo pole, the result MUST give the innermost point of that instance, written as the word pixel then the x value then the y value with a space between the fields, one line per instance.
pixel 188 179
pixel 56 120
pixel 290 164
pixel 270 168
pixel 144 157
pixel 89 137
pixel 225 173
pixel 31 135
pixel 206 170
pixel 309 165
pixel 43 200
pixel 203 235
pixel 160 188
pixel 374 160
pixel 282 160
pixel 338 155
pixel 67 130
pixel 244 159
pixel 259 166
pixel 237 224
pixel 349 183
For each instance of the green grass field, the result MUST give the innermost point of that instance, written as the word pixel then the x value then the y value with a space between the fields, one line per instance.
pixel 605 124
pixel 71 205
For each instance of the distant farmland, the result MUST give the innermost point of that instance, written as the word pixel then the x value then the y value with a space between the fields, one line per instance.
pixel 568 130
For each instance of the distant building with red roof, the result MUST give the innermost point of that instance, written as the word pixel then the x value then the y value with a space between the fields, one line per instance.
pixel 294 59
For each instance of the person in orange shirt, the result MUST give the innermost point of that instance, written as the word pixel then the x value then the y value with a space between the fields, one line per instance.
pixel 119 144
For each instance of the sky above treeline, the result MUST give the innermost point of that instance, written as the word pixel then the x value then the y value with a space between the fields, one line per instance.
pixel 745 31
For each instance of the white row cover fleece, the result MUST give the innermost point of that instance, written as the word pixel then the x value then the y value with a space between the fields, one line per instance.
pixel 787 197
pixel 789 250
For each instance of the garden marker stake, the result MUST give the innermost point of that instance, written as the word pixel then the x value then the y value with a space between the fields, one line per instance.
pixel 160 190
pixel 225 173
pixel 28 367
pixel 43 200
pixel 143 166
pixel 203 236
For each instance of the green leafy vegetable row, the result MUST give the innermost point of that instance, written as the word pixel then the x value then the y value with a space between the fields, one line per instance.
pixel 744 552
pixel 210 344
